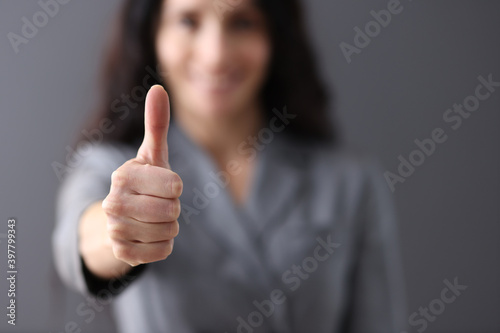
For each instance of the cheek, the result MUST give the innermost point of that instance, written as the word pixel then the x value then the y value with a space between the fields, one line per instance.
pixel 170 58
pixel 257 56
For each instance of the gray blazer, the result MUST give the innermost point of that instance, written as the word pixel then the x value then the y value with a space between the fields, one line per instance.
pixel 314 248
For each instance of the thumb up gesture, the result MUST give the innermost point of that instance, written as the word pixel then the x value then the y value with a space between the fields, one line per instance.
pixel 143 204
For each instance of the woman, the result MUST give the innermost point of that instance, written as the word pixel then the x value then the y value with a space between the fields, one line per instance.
pixel 279 230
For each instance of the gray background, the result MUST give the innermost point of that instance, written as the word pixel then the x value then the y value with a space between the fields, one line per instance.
pixel 395 91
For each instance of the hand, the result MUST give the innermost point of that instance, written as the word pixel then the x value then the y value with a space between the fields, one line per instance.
pixel 143 203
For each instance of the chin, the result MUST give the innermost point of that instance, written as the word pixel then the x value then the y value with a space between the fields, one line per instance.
pixel 216 108
pixel 216 111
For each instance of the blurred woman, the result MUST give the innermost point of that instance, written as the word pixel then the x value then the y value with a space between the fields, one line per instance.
pixel 276 227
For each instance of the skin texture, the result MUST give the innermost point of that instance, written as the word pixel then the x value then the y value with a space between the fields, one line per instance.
pixel 137 222
pixel 215 68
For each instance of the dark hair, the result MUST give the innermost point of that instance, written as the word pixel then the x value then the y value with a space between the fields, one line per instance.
pixel 292 80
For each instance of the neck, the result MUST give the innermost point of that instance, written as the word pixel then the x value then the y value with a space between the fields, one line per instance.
pixel 220 136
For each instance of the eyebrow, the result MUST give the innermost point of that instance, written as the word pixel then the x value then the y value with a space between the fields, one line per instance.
pixel 195 10
pixel 184 9
pixel 249 6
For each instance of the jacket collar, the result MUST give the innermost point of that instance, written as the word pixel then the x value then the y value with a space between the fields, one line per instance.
pixel 277 185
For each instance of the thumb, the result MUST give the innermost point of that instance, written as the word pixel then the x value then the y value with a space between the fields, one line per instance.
pixel 154 148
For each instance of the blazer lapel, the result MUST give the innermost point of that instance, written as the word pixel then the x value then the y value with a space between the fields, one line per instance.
pixel 219 218
pixel 278 185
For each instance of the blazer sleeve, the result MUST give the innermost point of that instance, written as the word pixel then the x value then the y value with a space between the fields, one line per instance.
pixel 378 302
pixel 87 180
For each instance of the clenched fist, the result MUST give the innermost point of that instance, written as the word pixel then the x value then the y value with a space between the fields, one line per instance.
pixel 143 203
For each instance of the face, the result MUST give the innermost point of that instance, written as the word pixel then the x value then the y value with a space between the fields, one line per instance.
pixel 215 60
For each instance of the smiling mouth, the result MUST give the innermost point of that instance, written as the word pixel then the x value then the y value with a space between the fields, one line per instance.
pixel 215 84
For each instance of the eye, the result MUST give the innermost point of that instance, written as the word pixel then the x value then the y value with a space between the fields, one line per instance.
pixel 188 21
pixel 242 24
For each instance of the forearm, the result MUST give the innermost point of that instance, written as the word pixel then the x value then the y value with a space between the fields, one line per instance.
pixel 95 246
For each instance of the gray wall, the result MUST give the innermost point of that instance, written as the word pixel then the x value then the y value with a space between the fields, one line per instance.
pixel 394 91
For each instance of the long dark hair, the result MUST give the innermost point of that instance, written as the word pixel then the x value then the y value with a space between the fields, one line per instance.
pixel 292 80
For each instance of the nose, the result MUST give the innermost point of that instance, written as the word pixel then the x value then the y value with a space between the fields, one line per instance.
pixel 214 49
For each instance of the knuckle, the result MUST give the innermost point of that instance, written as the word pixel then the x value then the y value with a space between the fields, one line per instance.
pixel 123 252
pixel 104 205
pixel 172 229
pixel 115 230
pixel 178 207
pixel 167 250
pixel 176 227
pixel 161 253
pixel 107 205
pixel 119 178
pixel 112 206
pixel 174 208
pixel 176 184
pixel 147 168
